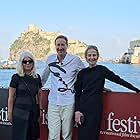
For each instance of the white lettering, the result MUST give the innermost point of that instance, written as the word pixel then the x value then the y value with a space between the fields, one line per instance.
pixel 135 125
pixel 109 121
pixel 122 125
pixel 116 122
pixel 3 116
pixel 44 117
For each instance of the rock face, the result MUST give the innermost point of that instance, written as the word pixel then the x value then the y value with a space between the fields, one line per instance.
pixel 133 54
pixel 41 44
pixel 134 51
pixel 125 59
pixel 135 57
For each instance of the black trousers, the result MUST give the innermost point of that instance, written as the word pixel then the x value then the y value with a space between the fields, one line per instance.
pixel 90 129
pixel 26 129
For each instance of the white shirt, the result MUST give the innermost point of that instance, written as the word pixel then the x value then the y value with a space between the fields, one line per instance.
pixel 63 76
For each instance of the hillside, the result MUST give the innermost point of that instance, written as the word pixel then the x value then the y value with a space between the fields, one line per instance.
pixel 41 44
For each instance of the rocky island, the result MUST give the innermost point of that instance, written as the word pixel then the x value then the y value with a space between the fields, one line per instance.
pixel 41 44
pixel 132 56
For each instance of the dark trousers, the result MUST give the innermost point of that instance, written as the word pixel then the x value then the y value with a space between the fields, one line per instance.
pixel 26 129
pixel 90 129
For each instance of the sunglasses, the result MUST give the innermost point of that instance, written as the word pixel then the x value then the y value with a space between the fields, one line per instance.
pixel 27 61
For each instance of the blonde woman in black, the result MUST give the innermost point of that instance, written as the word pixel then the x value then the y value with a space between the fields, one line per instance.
pixel 23 108
pixel 88 98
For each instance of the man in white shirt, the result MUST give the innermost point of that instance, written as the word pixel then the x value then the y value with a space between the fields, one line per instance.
pixel 63 69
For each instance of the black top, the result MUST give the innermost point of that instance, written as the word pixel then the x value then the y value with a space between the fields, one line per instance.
pixel 90 81
pixel 23 95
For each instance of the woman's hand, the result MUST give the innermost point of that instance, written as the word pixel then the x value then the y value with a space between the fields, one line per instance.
pixel 78 115
pixel 9 117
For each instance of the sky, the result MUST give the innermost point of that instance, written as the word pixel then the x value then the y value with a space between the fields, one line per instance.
pixel 108 24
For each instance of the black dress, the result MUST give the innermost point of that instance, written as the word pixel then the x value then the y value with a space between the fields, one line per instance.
pixel 88 98
pixel 25 124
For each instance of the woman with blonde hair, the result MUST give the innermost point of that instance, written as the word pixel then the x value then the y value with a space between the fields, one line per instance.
pixel 23 108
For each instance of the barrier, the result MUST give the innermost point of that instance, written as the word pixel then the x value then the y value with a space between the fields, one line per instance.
pixel 120 118
pixel 5 131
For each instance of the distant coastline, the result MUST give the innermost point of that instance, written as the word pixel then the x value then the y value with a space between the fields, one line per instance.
pixel 8 64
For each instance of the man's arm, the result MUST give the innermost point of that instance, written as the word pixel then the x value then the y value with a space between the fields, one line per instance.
pixel 45 75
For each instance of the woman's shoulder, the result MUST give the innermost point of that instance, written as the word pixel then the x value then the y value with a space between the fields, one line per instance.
pixel 15 76
pixel 14 80
pixel 101 67
pixel 84 70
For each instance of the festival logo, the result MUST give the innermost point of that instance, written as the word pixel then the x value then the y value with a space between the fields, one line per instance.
pixel 3 116
pixel 122 127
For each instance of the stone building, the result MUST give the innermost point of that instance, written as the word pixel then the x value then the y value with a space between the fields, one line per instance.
pixel 134 51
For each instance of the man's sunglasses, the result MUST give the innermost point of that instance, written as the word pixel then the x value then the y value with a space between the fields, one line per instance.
pixel 27 61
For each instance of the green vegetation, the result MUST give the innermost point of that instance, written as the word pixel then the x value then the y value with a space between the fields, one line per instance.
pixel 18 44
pixel 47 51
pixel 39 45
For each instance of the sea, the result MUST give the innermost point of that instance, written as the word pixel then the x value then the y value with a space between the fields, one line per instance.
pixel 128 72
